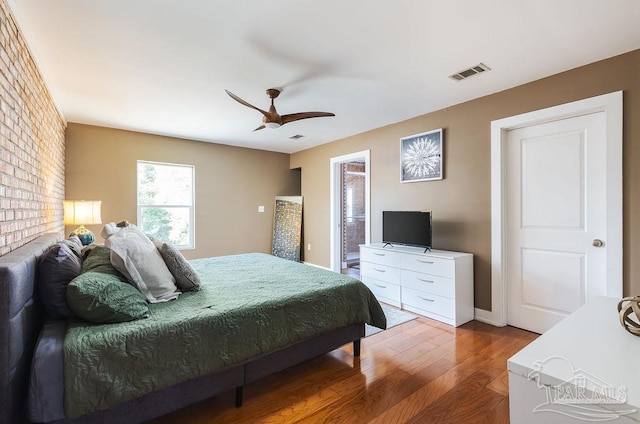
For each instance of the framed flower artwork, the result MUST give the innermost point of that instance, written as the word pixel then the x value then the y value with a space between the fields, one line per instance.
pixel 421 157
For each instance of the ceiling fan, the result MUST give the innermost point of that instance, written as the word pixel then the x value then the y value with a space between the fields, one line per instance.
pixel 272 119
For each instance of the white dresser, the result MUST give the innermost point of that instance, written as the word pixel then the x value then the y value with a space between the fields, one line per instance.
pixel 437 284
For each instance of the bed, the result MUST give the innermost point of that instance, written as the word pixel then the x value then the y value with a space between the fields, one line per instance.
pixel 21 322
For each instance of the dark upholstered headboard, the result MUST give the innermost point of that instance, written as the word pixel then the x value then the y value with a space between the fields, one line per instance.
pixel 20 323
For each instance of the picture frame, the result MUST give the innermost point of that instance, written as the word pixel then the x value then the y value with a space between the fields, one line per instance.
pixel 421 157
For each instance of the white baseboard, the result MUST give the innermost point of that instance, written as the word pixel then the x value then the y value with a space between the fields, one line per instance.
pixel 486 317
pixel 318 266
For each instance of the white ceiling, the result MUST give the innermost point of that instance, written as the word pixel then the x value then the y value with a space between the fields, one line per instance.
pixel 161 66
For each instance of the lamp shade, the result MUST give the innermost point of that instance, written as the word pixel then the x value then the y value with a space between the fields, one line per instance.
pixel 82 212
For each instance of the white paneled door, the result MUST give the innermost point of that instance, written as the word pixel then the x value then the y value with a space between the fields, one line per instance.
pixel 556 213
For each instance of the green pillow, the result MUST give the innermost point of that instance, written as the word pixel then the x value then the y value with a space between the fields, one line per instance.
pixel 103 299
pixel 98 259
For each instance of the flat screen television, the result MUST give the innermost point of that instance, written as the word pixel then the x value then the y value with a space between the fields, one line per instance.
pixel 409 228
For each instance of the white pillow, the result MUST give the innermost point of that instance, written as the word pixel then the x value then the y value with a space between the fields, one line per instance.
pixel 134 255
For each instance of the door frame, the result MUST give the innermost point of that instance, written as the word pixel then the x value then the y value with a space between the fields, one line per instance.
pixel 611 105
pixel 335 209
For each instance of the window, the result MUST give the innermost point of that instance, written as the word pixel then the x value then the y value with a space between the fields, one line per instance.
pixel 165 202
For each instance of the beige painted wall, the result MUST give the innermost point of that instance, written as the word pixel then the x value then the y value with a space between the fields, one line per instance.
pixel 461 203
pixel 231 183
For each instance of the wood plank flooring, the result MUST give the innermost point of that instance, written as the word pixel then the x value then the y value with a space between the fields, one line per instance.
pixel 422 371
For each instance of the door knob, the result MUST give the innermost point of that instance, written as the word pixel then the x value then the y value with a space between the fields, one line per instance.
pixel 597 243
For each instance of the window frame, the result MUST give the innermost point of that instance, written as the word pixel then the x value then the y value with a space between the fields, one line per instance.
pixel 192 223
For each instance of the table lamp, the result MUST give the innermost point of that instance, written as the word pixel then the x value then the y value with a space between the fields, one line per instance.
pixel 82 212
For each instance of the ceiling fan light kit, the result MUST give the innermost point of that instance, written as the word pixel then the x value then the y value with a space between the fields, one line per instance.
pixel 272 119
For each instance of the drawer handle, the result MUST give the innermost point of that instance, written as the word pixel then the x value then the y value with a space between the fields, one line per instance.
pixel 381 286
pixel 426 281
pixel 424 262
pixel 428 300
pixel 379 270
pixel 379 254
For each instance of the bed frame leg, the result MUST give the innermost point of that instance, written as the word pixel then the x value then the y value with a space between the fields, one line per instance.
pixel 356 347
pixel 239 396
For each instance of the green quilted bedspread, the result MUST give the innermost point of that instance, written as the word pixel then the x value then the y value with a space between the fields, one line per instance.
pixel 248 305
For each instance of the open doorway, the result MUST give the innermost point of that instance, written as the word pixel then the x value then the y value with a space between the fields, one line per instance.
pixel 350 205
pixel 353 216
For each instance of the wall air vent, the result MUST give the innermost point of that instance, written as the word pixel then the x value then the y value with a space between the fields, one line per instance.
pixel 474 70
pixel 296 137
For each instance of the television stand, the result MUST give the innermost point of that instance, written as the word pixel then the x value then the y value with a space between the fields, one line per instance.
pixel 387 244
pixel 436 284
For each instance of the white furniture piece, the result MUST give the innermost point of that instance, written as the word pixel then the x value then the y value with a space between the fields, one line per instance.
pixel 437 284
pixel 584 369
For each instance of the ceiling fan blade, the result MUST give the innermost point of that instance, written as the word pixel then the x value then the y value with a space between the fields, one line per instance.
pixel 304 115
pixel 247 104
pixel 271 118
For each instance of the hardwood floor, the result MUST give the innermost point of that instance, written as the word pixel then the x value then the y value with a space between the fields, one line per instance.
pixel 422 371
pixel 351 271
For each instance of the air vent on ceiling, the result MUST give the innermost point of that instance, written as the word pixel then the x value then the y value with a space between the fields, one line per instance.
pixel 474 70
pixel 296 137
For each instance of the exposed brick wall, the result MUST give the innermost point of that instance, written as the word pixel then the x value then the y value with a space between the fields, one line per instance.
pixel 31 144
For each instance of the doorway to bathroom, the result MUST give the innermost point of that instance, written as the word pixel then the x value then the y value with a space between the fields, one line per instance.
pixel 350 209
pixel 353 216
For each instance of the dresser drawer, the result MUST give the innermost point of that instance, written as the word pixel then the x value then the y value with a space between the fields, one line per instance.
pixel 434 284
pixel 383 290
pixel 380 272
pixel 428 302
pixel 429 265
pixel 379 256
